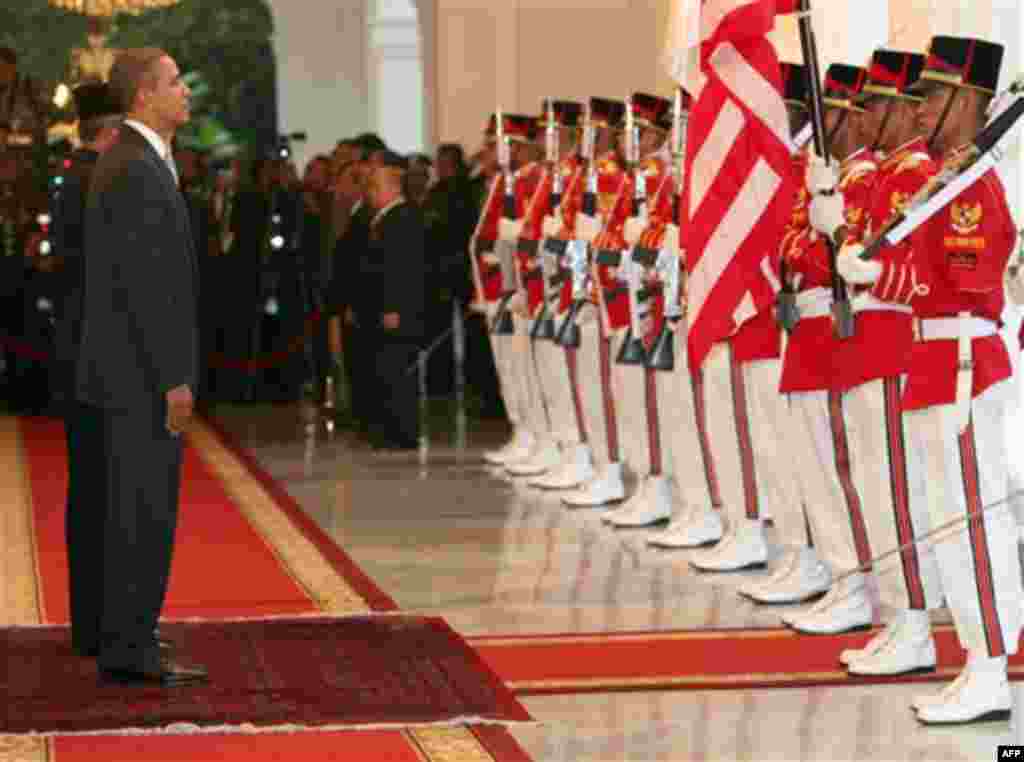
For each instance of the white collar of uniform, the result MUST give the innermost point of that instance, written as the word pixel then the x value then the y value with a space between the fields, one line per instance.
pixel 380 215
pixel 152 138
pixel 357 205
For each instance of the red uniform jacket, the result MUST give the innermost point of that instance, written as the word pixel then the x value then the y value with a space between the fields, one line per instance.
pixel 960 256
pixel 884 338
pixel 813 348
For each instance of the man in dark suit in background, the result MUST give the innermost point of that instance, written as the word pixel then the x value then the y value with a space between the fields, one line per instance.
pixel 139 361
pixel 99 125
pixel 391 305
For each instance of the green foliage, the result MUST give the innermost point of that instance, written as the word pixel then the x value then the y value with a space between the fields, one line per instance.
pixel 225 42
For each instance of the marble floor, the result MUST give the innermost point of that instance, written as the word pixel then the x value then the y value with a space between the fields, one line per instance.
pixel 446 535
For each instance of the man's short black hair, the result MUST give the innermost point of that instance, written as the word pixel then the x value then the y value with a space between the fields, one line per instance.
pixel 370 143
pixel 8 55
pixel 391 159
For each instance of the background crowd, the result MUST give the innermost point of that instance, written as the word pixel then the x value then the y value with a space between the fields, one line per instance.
pixel 276 276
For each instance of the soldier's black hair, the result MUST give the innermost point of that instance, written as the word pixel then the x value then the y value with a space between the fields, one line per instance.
pixel 8 55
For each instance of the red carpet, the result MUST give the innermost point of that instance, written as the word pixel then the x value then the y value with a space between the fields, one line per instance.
pixel 222 567
pixel 308 672
pixel 696 660
pixel 259 558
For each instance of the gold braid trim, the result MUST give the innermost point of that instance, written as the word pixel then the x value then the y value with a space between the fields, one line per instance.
pixel 24 749
pixel 296 554
pixel 19 582
pixel 448 744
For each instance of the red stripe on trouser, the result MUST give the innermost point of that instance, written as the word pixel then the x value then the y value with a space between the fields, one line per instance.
pixel 611 424
pixel 905 533
pixel 853 506
pixel 741 416
pixel 577 400
pixel 700 413
pixel 979 545
pixel 653 423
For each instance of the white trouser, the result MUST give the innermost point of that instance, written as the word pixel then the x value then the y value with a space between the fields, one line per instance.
pixel 594 360
pixel 557 390
pixel 1015 411
pixel 833 508
pixel 681 404
pixel 966 478
pixel 885 458
pixel 749 426
pixel 631 396
pixel 513 360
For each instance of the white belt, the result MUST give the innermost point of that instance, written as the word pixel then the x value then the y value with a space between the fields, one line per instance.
pixel 963 329
pixel 817 303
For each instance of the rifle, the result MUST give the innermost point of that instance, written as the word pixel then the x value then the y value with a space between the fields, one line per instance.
pixel 544 325
pixel 980 156
pixel 842 313
pixel 503 324
pixel 577 252
pixel 633 351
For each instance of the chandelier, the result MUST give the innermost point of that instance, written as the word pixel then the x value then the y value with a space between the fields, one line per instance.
pixel 107 8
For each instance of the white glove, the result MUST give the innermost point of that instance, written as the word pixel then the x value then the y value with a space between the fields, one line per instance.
pixel 1015 286
pixel 552 226
pixel 821 178
pixel 671 239
pixel 860 272
pixel 517 305
pixel 633 229
pixel 509 230
pixel 587 228
pixel 827 213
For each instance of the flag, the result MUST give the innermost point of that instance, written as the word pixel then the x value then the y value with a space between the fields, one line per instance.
pixel 739 188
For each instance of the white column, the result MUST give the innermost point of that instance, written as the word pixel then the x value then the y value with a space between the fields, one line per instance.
pixel 847 31
pixel 396 75
pixel 321 51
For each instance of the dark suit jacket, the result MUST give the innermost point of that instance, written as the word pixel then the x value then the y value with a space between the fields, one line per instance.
pixel 349 254
pixel 392 274
pixel 140 323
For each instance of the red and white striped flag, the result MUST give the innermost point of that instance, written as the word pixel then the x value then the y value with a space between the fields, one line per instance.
pixel 739 183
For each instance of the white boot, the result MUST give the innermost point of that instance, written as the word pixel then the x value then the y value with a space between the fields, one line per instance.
pixel 544 458
pixel 656 505
pixel 517 448
pixel 983 695
pixel 806 577
pixel 847 606
pixel 909 648
pixel 781 569
pixel 608 487
pixel 576 469
pixel 744 547
pixel 693 529
pixel 638 497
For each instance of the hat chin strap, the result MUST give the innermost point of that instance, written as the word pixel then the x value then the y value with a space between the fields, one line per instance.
pixel 885 123
pixel 839 126
pixel 945 115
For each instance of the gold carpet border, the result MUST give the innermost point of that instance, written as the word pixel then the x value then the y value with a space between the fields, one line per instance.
pixel 451 744
pixel 299 557
pixel 24 749
pixel 20 594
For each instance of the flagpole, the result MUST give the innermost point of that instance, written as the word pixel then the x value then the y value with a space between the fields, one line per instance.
pixel 841 311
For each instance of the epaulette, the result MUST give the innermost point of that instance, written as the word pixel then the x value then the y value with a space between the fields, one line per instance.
pixel 855 172
pixel 653 165
pixel 608 165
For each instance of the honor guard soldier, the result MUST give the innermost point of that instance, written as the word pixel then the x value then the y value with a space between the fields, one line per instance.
pixel 747 418
pixel 546 280
pixel 883 486
pixel 596 205
pixel 955 397
pixel 680 392
pixel 808 277
pixel 99 125
pixel 494 284
pixel 647 128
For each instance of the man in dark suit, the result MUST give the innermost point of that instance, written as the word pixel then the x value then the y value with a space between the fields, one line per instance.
pixel 391 306
pixel 99 125
pixel 139 360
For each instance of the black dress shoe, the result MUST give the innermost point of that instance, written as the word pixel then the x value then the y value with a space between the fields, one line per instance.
pixel 169 675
